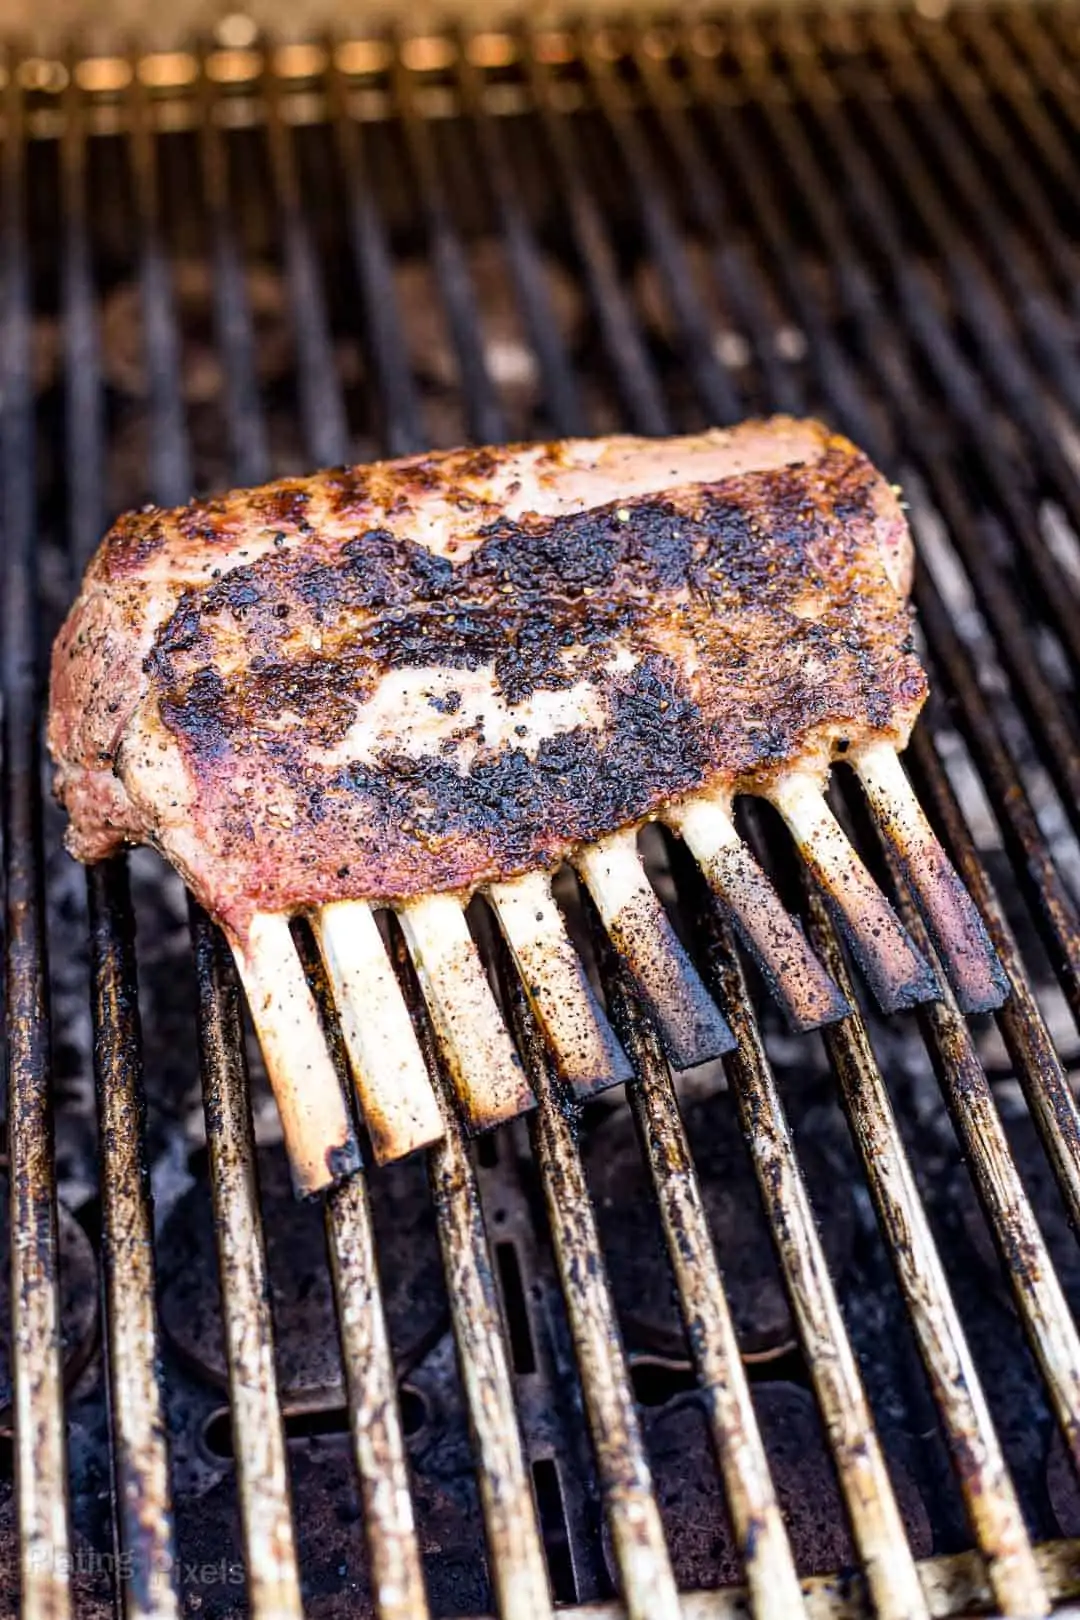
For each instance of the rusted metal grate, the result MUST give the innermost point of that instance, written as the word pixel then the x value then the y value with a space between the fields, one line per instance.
pixel 870 216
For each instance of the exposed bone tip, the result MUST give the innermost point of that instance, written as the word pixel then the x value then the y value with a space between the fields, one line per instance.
pixel 803 989
pixel 588 1055
pixel 915 991
pixel 319 1138
pixel 484 1110
pixel 990 987
pixel 486 1071
pixel 730 1042
pixel 959 935
pixel 896 971
pixel 952 918
pixel 479 1120
pixel 708 1036
pixel 692 1029
pixel 832 1011
pixel 397 1099
pixel 703 1035
pixel 619 1074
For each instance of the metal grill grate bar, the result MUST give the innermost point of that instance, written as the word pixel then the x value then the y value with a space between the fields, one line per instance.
pixel 712 382
pixel 378 1442
pixel 1018 266
pixel 1038 1067
pixel 560 388
pixel 1052 904
pixel 258 1430
pixel 487 422
pixel 233 324
pixel 633 1516
pixel 403 425
pixel 170 457
pixel 1039 1296
pixel 1032 46
pixel 624 347
pixel 322 411
pixel 515 1551
pixel 868 1493
pixel 144 1529
pixel 40 1460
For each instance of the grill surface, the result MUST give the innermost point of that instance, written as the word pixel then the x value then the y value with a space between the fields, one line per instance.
pixel 231 263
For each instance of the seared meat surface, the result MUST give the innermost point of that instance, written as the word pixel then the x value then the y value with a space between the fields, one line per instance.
pixel 387 681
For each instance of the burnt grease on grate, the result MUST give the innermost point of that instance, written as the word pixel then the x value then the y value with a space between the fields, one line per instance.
pixel 891 351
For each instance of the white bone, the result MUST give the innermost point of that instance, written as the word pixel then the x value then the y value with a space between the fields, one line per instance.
pixel 486 1071
pixel 319 1137
pixel 589 1056
pixel 400 1108
pixel 638 926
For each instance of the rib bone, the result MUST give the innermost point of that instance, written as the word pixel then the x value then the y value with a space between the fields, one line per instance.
pixel 897 974
pixel 318 1132
pixel 399 1106
pixel 589 1056
pixel 487 1072
pixel 949 912
pixel 692 1028
pixel 800 984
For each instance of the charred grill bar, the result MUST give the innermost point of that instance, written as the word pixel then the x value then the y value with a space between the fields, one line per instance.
pixel 822 182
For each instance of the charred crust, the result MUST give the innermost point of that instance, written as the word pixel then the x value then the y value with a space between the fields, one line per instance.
pixel 281 506
pixel 343 1159
pixel 133 540
pixel 750 615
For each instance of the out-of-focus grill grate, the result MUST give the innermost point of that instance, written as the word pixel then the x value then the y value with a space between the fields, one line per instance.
pixel 225 263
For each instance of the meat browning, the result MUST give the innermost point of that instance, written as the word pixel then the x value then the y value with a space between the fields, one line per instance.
pixel 387 681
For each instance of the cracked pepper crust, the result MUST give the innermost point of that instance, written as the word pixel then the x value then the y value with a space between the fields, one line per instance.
pixel 387 681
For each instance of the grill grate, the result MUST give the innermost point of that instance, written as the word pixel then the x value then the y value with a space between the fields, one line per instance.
pixel 882 210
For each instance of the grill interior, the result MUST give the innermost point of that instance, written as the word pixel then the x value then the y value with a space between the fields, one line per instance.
pixel 238 261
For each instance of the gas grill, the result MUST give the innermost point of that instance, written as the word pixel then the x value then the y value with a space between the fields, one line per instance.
pixel 798 1329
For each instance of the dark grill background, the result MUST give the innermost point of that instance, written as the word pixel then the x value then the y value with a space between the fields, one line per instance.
pixel 230 264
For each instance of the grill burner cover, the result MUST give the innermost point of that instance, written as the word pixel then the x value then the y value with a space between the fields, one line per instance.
pixel 693 1507
pixel 635 1255
pixel 308 1361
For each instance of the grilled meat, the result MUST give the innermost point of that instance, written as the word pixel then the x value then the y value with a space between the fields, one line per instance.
pixel 386 681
